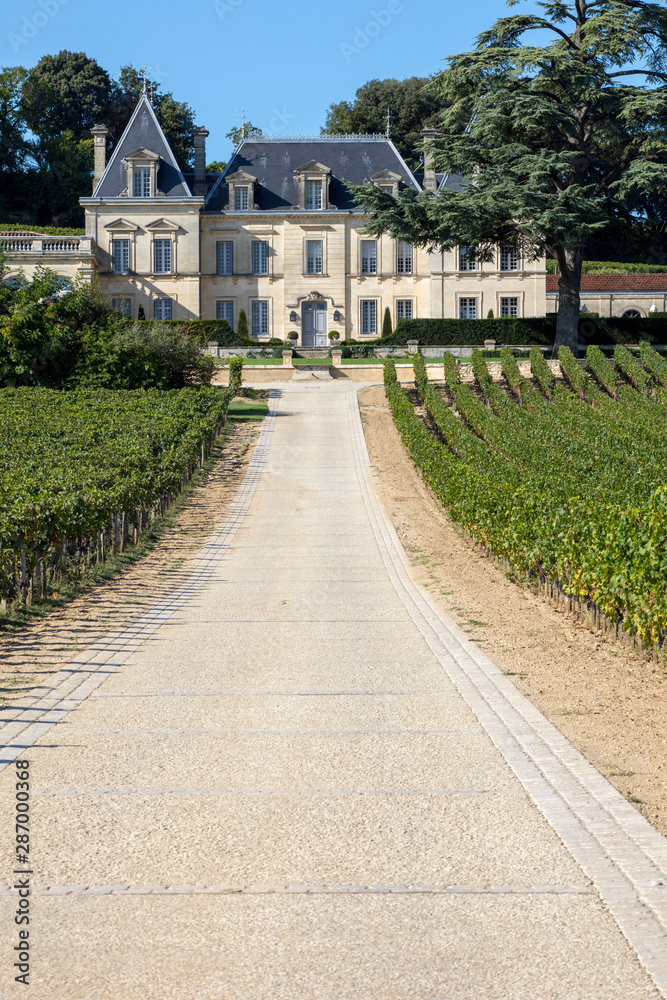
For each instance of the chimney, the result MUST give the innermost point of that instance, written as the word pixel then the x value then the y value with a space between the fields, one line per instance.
pixel 429 135
pixel 99 134
pixel 199 188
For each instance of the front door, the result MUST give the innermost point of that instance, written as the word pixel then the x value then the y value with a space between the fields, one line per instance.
pixel 314 317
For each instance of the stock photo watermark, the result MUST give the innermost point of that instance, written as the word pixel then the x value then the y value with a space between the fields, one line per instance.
pixel 222 7
pixel 31 26
pixel 363 36
pixel 281 119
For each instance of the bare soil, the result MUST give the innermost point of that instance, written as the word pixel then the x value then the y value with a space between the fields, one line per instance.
pixel 609 701
pixel 30 654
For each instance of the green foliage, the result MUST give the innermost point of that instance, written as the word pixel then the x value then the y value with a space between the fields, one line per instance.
pixel 215 167
pixel 510 370
pixel 69 461
pixel 242 327
pixel 389 373
pixel 541 372
pixel 421 375
pixel 572 371
pixel 604 372
pixel 489 315
pixel 236 374
pixel 65 93
pixel 452 373
pixel 143 355
pixel 141 313
pixel 457 332
pixel 8 227
pixel 654 363
pixel 237 133
pixel 611 267
pixel 481 372
pixel 204 331
pixel 561 490
pixel 387 329
pixel 411 106
pixel 633 371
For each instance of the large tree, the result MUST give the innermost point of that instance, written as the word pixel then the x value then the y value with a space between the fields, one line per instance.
pixel 68 92
pixel 555 137
pixel 411 108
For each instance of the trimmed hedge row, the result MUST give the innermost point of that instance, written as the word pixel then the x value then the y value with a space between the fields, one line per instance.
pixel 14 227
pixel 201 331
pixel 536 330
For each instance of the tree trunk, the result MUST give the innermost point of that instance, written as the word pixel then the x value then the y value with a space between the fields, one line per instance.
pixel 569 308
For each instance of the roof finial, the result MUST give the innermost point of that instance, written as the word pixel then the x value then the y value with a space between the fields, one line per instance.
pixel 242 112
pixel 388 132
pixel 144 74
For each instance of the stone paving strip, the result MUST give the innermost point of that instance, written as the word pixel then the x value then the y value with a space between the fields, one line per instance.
pixel 369 808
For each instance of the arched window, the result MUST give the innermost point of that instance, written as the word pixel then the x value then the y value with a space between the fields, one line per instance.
pixel 632 314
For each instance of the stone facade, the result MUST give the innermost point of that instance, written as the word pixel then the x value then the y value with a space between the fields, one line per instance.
pixel 616 294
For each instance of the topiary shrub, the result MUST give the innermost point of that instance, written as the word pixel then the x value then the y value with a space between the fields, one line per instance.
pixel 236 373
pixel 387 328
pixel 242 327
pixel 141 314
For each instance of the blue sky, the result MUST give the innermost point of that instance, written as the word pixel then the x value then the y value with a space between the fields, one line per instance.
pixel 284 63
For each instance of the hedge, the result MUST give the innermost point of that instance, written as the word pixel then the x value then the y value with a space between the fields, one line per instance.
pixel 203 331
pixel 612 267
pixel 538 330
pixel 457 332
pixel 14 227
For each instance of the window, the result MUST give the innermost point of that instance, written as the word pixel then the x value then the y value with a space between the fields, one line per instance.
pixel 142 182
pixel 509 307
pixel 260 257
pixel 632 314
pixel 122 305
pixel 162 256
pixel 225 310
pixel 467 261
pixel 162 308
pixel 389 188
pixel 467 308
pixel 260 317
pixel 224 257
pixel 369 255
pixel 241 199
pixel 403 258
pixel 120 253
pixel 369 316
pixel 404 309
pixel 509 259
pixel 313 195
pixel 314 257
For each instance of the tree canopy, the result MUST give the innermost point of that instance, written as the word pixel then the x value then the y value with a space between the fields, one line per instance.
pixel 411 108
pixel 558 139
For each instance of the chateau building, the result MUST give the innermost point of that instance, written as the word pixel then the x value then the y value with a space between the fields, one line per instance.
pixel 277 235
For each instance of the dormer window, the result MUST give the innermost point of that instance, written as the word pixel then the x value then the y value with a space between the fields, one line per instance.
pixel 241 186
pixel 313 183
pixel 142 182
pixel 313 196
pixel 387 180
pixel 141 167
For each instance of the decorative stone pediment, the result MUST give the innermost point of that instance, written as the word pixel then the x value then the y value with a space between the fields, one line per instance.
pixel 121 226
pixel 313 167
pixel 388 180
pixel 161 226
pixel 142 154
pixel 240 177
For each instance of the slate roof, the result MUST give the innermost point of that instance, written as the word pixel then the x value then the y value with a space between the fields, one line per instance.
pixel 616 283
pixel 143 130
pixel 274 162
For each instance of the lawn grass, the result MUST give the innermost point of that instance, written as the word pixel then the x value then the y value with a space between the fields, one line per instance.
pixel 247 412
